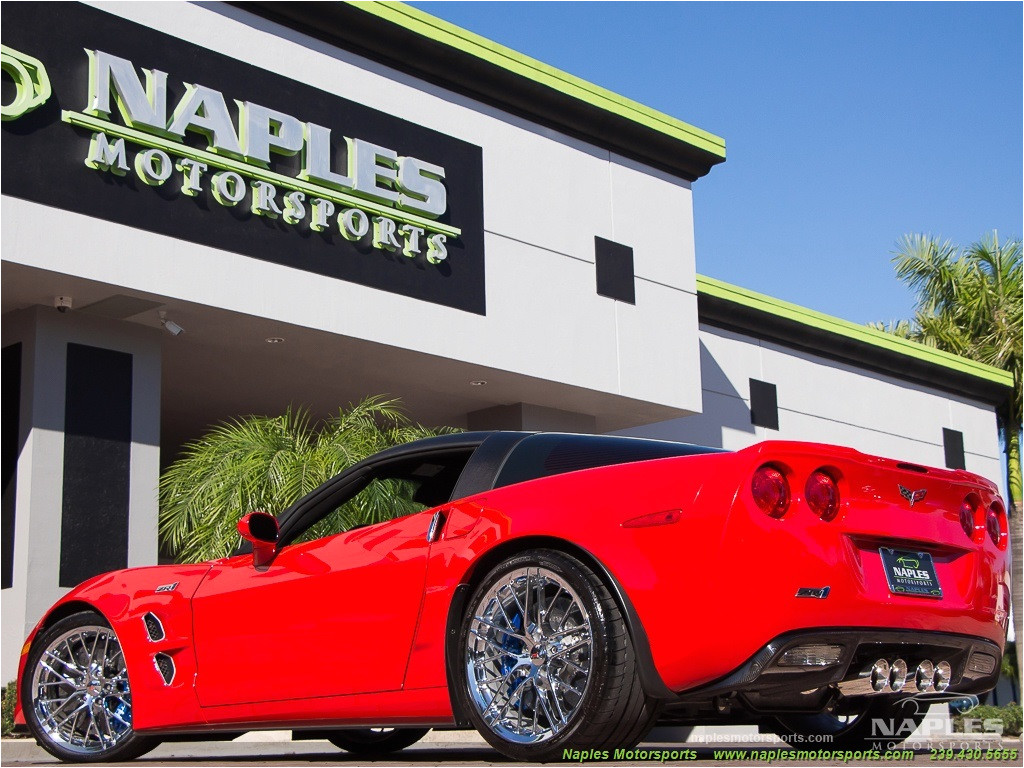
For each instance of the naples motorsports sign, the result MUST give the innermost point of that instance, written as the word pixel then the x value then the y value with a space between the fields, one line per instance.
pixel 115 120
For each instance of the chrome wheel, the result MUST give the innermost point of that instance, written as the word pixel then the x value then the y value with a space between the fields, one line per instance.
pixel 80 695
pixel 528 655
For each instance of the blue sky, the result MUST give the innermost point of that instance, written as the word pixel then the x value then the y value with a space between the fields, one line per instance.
pixel 846 125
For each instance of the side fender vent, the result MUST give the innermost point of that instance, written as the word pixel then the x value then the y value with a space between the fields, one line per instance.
pixel 154 628
pixel 165 666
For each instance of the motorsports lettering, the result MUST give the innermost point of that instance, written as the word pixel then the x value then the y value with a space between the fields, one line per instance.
pixel 390 199
pixel 124 123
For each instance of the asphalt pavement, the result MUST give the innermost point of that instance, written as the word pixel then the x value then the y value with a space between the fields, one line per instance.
pixel 462 748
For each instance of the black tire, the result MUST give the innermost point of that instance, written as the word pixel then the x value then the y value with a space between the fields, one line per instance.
pixel 881 725
pixel 93 692
pixel 585 662
pixel 369 742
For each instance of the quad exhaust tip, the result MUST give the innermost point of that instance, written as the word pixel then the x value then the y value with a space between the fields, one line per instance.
pixel 924 676
pixel 884 676
pixel 879 675
pixel 898 675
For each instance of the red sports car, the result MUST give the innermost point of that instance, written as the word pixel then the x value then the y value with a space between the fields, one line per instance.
pixel 554 592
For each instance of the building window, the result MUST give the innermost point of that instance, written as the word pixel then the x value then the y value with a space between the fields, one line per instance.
pixel 614 263
pixel 953 445
pixel 764 405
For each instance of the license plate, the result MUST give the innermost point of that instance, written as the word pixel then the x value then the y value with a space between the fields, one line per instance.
pixel 910 573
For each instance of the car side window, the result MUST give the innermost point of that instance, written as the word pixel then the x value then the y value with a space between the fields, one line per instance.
pixel 383 499
pixel 369 493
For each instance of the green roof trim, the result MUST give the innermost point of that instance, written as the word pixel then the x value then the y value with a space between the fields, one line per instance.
pixel 858 333
pixel 517 63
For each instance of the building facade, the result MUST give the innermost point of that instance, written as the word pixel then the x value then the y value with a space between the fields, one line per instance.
pixel 216 210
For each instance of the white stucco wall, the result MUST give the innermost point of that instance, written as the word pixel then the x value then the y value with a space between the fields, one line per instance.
pixel 825 401
pixel 546 196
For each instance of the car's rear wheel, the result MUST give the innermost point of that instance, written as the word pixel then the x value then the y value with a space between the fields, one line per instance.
pixel 376 741
pixel 546 662
pixel 880 725
pixel 76 695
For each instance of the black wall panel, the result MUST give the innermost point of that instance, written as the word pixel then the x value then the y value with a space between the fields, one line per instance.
pixel 97 463
pixel 614 264
pixel 953 445
pixel 764 404
pixel 11 441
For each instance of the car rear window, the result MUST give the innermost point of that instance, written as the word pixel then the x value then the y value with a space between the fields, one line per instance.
pixel 544 455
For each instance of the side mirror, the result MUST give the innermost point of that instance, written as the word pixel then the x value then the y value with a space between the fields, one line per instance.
pixel 261 530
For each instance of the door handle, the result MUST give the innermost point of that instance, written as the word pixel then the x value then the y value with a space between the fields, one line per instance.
pixel 436 526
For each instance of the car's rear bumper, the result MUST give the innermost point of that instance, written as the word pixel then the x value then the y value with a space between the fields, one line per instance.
pixel 770 680
pixel 715 595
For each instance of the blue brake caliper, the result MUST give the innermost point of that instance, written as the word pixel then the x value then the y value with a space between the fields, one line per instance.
pixel 122 716
pixel 513 646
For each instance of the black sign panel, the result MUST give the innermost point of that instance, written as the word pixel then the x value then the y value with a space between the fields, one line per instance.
pixel 910 573
pixel 43 158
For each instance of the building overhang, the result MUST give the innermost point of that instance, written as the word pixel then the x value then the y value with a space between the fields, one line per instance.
pixel 427 47
pixel 222 365
pixel 754 314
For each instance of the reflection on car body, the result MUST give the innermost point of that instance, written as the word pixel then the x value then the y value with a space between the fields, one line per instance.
pixel 554 592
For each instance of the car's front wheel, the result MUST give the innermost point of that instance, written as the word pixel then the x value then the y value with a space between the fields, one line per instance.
pixel 546 662
pixel 76 695
pixel 370 742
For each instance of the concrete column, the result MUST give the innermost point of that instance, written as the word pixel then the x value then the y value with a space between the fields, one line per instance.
pixel 37 485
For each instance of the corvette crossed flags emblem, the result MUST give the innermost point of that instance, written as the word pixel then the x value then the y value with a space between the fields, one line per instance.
pixel 912 496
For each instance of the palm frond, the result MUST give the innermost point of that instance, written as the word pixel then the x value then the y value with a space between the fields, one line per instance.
pixel 267 463
pixel 969 302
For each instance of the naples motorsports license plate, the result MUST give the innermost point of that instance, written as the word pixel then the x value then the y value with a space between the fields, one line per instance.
pixel 910 573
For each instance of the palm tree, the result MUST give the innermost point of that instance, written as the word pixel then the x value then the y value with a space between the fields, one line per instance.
pixel 969 303
pixel 267 463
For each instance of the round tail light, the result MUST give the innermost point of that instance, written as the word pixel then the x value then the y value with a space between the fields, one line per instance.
pixel 822 494
pixel 770 489
pixel 968 512
pixel 995 523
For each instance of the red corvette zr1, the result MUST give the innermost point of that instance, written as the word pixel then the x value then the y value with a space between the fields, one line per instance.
pixel 554 592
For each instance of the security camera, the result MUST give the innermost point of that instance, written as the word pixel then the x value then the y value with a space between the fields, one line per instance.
pixel 169 325
pixel 62 303
pixel 172 327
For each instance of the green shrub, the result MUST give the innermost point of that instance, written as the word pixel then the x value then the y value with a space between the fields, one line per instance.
pixel 1010 715
pixel 1009 666
pixel 10 692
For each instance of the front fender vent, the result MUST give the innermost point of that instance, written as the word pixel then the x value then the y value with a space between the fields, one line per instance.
pixel 165 666
pixel 154 628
